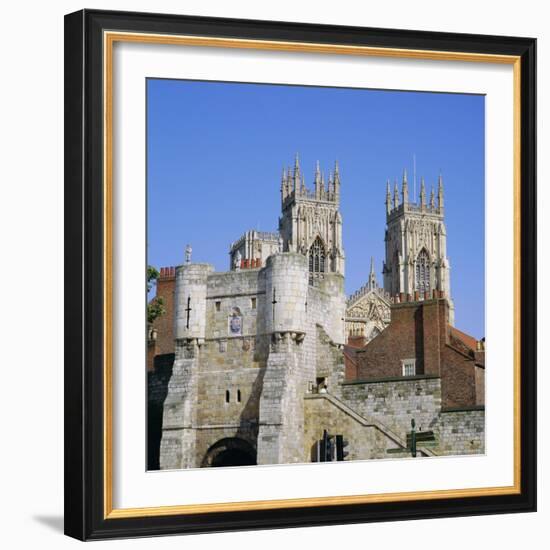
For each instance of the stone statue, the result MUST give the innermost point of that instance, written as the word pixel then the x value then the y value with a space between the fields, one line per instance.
pixel 188 252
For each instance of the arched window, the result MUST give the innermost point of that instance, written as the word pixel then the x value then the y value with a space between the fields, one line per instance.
pixel 317 258
pixel 227 396
pixel 423 272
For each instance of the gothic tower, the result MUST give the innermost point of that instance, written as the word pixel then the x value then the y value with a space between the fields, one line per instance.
pixel 311 223
pixel 416 265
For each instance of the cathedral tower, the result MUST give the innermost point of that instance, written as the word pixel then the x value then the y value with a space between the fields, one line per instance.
pixel 311 223
pixel 416 265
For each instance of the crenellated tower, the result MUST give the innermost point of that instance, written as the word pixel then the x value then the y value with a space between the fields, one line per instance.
pixel 311 223
pixel 416 266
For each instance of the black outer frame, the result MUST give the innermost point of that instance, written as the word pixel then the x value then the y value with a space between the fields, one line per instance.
pixel 84 517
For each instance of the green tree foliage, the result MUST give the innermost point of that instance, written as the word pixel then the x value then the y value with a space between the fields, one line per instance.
pixel 152 276
pixel 155 308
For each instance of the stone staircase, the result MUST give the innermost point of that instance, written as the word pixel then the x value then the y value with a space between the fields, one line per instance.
pixel 423 443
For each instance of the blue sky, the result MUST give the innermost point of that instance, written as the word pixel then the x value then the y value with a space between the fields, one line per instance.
pixel 215 153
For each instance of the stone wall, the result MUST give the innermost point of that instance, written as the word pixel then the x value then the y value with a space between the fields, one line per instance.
pixel 332 306
pixel 236 292
pixel 323 355
pixel 177 446
pixel 157 389
pixel 462 431
pixel 364 441
pixel 281 430
pixel 394 402
pixel 229 397
pixel 330 362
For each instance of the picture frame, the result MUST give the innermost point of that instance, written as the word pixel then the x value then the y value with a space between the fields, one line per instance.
pixel 90 160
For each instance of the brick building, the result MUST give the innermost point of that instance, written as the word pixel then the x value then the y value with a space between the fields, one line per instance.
pixel 420 342
pixel 160 340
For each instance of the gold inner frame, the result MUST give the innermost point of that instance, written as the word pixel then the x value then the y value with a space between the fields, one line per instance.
pixel 109 39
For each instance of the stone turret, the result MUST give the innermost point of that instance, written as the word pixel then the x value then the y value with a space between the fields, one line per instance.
pixel 181 405
pixel 405 188
pixel 318 182
pixel 440 200
pixel 190 303
pixel 311 223
pixel 336 182
pixel 395 195
pixel 280 436
pixel 286 287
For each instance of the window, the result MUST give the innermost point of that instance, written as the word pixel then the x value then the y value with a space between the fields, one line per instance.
pixel 423 272
pixel 316 259
pixel 227 396
pixel 409 367
pixel 253 303
pixel 218 305
pixel 322 385
pixel 238 396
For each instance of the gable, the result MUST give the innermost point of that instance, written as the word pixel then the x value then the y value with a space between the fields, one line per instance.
pixel 371 306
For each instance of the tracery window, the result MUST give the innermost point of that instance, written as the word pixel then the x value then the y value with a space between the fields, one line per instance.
pixel 423 271
pixel 317 259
